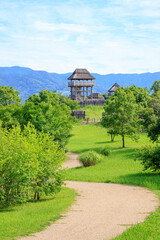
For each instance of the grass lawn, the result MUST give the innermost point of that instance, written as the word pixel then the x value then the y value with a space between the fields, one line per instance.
pixel 93 111
pixel 34 216
pixel 119 167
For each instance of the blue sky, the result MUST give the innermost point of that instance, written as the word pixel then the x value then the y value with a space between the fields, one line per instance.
pixel 105 36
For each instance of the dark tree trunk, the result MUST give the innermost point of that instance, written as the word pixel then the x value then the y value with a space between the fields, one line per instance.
pixel 112 137
pixel 123 141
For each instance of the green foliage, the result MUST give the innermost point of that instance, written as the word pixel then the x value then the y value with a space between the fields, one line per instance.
pixel 74 105
pixel 121 113
pixel 10 115
pixel 150 157
pixel 154 131
pixel 45 113
pixel 8 95
pixel 29 164
pixel 90 158
pixel 104 95
pixel 105 150
pixel 153 128
pixel 155 102
pixel 141 94
pixel 155 87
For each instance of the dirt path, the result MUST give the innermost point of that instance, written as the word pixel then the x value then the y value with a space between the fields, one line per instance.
pixel 72 161
pixel 101 211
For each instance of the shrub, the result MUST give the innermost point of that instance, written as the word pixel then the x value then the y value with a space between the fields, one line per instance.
pixel 90 158
pixel 105 151
pixel 150 158
pixel 29 165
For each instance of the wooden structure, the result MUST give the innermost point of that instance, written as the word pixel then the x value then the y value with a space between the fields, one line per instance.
pixel 81 84
pixel 78 114
pixel 113 89
pixel 95 96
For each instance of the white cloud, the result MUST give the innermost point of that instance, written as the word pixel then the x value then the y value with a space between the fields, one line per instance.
pixel 103 36
pixel 151 26
pixel 44 26
pixel 82 40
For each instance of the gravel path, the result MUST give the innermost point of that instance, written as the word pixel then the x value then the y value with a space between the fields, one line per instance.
pixel 101 211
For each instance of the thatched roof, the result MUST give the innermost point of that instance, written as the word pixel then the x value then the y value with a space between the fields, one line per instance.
pixel 81 74
pixel 114 88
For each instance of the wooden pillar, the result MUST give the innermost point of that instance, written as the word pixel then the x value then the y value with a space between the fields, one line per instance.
pixel 91 93
pixel 76 92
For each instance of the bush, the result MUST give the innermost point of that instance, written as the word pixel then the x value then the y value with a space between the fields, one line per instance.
pixel 105 151
pixel 150 158
pixel 90 158
pixel 29 165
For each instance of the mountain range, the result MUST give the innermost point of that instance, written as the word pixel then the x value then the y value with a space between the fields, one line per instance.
pixel 28 81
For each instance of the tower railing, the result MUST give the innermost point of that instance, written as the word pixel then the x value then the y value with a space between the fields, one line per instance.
pixel 81 84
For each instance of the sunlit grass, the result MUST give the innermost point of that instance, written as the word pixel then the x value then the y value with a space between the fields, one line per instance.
pixel 93 111
pixel 119 167
pixel 34 216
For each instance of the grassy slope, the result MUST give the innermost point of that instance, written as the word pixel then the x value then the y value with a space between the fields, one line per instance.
pixel 93 111
pixel 119 167
pixel 34 216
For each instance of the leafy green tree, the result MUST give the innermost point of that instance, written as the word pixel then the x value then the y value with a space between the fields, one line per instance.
pixel 10 115
pixel 145 106
pixel 45 113
pixel 155 87
pixel 141 94
pixel 9 95
pixel 154 127
pixel 121 114
pixel 70 103
pixel 29 164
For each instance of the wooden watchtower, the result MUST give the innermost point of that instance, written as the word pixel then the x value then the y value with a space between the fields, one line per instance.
pixel 81 84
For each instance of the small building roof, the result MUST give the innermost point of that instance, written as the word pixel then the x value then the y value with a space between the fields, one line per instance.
pixel 81 74
pixel 114 88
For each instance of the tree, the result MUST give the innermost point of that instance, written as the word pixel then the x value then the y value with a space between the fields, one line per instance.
pixel 73 104
pixel 121 114
pixel 154 127
pixel 45 113
pixel 155 87
pixel 145 106
pixel 9 95
pixel 10 115
pixel 141 94
pixel 29 164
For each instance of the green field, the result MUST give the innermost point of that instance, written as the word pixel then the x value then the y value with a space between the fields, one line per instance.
pixel 119 167
pixel 93 111
pixel 32 217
